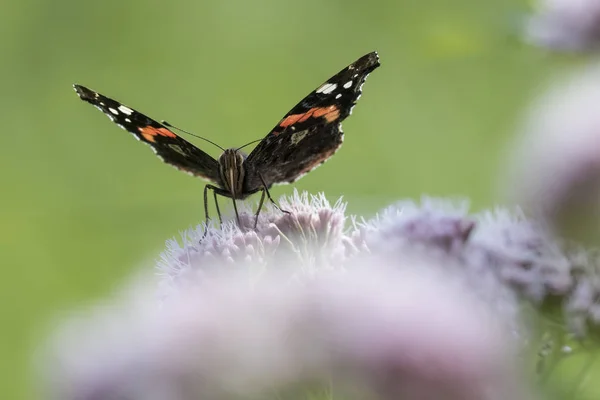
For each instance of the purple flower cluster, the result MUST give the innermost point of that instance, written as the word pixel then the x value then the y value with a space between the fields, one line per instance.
pixel 497 249
pixel 422 300
pixel 416 302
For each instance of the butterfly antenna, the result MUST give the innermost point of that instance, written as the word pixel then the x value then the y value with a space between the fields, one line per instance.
pixel 165 123
pixel 248 144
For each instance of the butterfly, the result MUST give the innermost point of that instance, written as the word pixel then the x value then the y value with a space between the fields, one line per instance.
pixel 308 135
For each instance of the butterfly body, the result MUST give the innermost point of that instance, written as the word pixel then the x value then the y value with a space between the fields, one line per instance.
pixel 233 172
pixel 303 139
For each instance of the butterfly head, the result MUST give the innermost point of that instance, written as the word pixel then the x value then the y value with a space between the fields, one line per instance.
pixel 232 172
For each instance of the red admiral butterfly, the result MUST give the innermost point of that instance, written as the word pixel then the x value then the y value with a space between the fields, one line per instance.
pixel 304 139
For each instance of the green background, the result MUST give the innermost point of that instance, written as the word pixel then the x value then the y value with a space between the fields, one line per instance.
pixel 83 204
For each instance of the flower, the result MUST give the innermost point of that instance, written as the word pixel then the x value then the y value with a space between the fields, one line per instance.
pixel 499 255
pixel 311 232
pixel 382 307
pixel 555 162
pixel 565 24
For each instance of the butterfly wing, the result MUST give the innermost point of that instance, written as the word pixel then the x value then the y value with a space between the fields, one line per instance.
pixel 311 132
pixel 171 148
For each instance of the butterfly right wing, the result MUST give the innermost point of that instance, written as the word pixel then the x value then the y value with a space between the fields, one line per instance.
pixel 311 132
pixel 169 147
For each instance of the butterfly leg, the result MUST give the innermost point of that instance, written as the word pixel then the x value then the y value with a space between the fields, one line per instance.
pixel 237 216
pixel 218 210
pixel 265 189
pixel 260 204
pixel 216 191
pixel 206 208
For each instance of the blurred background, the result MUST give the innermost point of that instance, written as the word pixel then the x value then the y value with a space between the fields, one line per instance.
pixel 83 203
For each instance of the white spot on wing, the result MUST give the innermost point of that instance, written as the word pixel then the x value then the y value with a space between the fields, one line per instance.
pixel 326 88
pixel 347 85
pixel 125 110
pixel 112 110
pixel 127 120
pixel 337 96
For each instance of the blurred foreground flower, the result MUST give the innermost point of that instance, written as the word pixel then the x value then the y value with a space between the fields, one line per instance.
pixel 556 179
pixel 556 174
pixel 421 302
pixel 372 333
pixel 566 24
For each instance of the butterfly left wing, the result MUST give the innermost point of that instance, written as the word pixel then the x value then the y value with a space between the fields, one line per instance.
pixel 172 149
pixel 311 131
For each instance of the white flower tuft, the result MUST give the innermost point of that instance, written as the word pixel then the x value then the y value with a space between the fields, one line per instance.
pixel 311 231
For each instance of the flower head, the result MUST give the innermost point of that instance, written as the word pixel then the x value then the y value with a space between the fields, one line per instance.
pixel 310 230
pixel 555 172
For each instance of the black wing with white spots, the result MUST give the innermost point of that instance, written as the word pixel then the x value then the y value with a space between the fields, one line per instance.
pixel 171 148
pixel 311 131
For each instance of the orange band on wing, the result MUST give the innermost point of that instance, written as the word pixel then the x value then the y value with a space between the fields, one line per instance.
pixel 330 114
pixel 149 132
